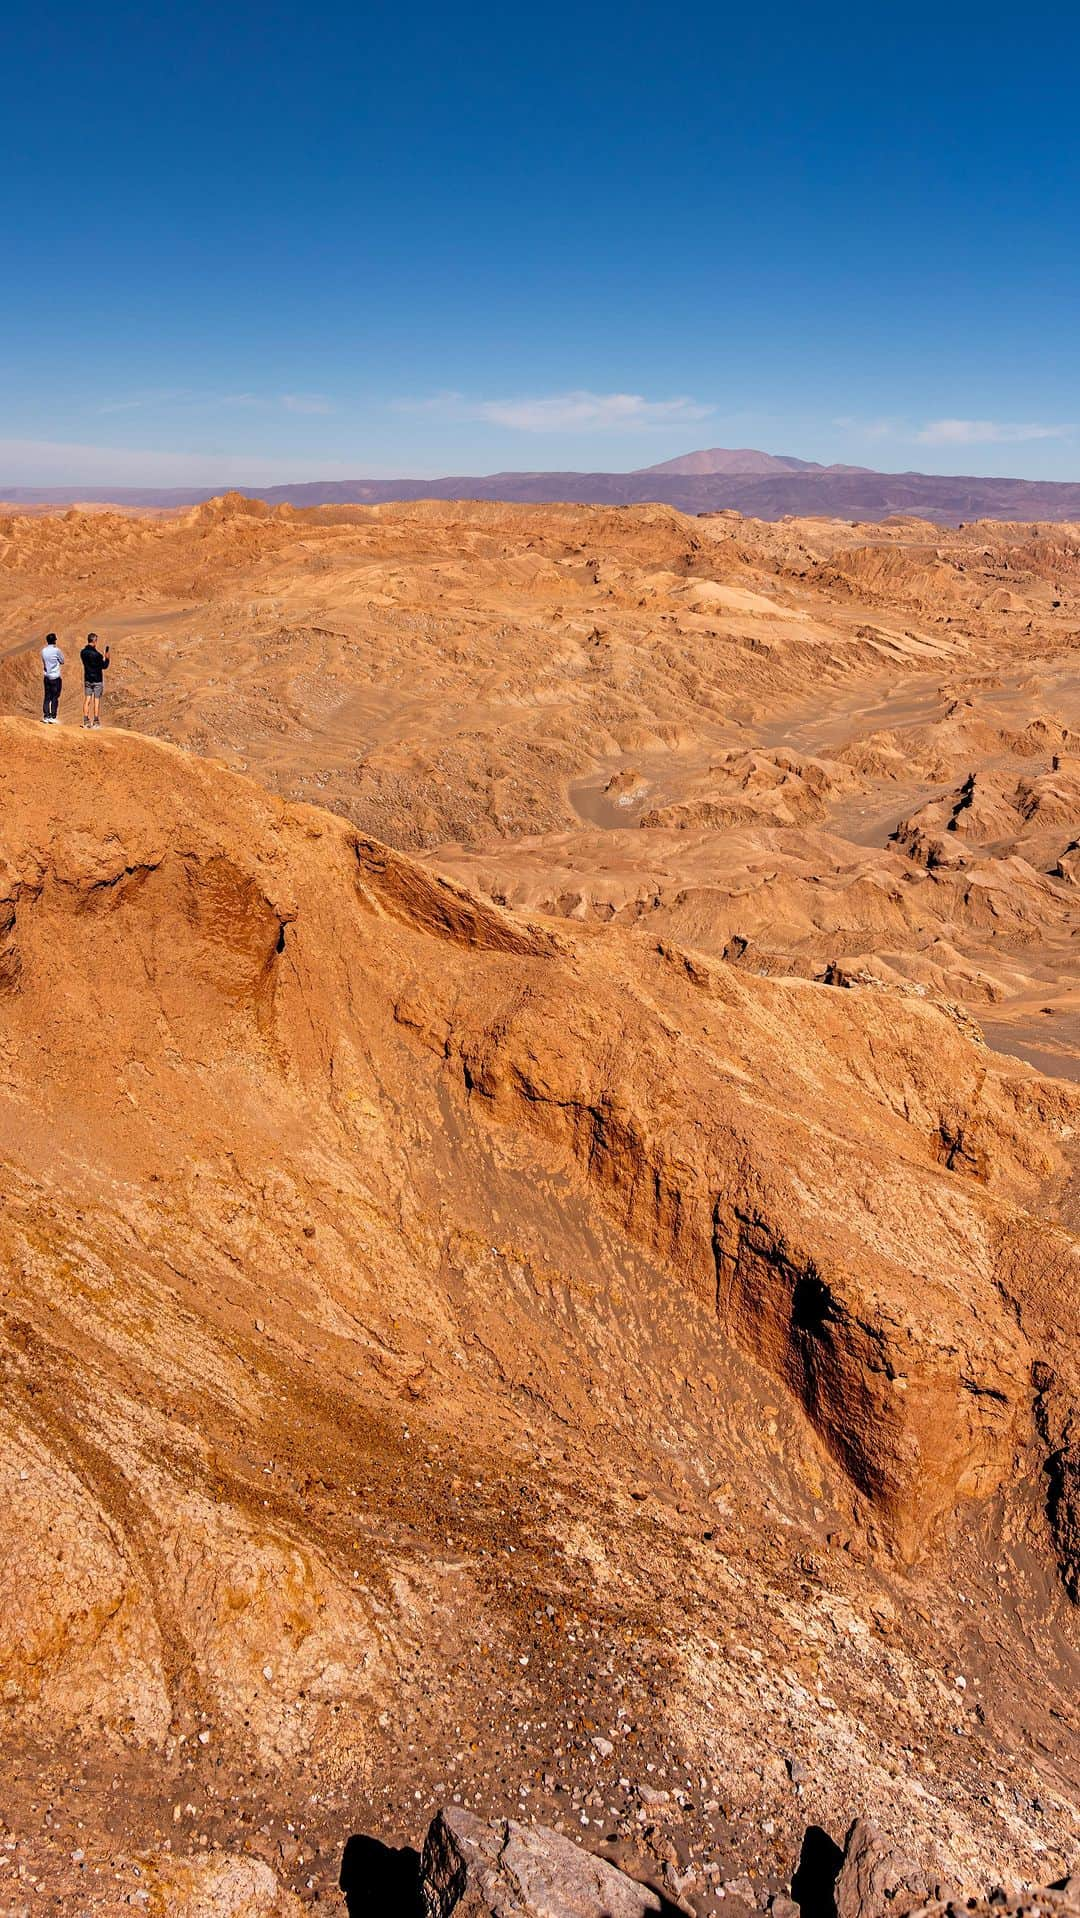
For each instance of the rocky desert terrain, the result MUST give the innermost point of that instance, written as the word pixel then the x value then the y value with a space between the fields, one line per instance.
pixel 539 1102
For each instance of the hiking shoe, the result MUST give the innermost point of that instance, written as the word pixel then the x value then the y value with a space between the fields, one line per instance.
pixel 97 724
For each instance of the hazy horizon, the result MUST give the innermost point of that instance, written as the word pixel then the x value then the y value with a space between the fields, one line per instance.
pixel 234 474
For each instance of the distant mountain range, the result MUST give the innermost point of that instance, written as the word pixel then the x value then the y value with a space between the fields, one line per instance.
pixel 764 485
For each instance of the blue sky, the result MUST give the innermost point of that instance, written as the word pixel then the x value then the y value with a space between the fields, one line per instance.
pixel 268 243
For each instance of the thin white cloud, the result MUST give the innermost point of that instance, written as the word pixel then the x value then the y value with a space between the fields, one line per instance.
pixel 208 402
pixel 987 432
pixel 306 403
pixel 561 412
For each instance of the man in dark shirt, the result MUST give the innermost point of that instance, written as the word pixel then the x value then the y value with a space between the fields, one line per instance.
pixel 95 666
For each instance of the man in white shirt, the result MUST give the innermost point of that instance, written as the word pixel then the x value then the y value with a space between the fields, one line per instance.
pixel 52 660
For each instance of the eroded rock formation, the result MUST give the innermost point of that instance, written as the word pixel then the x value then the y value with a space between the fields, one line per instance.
pixel 581 1318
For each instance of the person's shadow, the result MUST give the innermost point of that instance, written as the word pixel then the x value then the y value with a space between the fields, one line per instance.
pixel 814 1884
pixel 379 1882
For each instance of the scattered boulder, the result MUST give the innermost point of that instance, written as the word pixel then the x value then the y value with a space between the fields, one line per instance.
pixel 740 1892
pixel 1043 1903
pixel 475 1868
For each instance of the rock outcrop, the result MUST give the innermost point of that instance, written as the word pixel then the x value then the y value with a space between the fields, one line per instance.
pixel 875 1879
pixel 472 1868
pixel 215 1887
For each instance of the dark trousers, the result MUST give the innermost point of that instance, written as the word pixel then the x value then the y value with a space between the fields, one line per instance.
pixel 53 690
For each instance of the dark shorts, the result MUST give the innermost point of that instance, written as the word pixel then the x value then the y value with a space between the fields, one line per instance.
pixel 93 690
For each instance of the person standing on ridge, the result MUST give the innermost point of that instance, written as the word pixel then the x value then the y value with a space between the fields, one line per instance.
pixel 95 666
pixel 52 661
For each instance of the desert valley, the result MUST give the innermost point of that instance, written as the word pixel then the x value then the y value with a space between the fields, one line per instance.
pixel 540 1115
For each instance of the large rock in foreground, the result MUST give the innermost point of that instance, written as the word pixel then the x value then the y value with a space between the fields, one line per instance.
pixel 876 1879
pixel 476 1869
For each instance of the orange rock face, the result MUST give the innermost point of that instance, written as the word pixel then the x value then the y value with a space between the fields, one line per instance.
pixel 528 1270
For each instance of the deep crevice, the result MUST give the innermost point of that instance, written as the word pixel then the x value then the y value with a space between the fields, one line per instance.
pixel 812 1304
